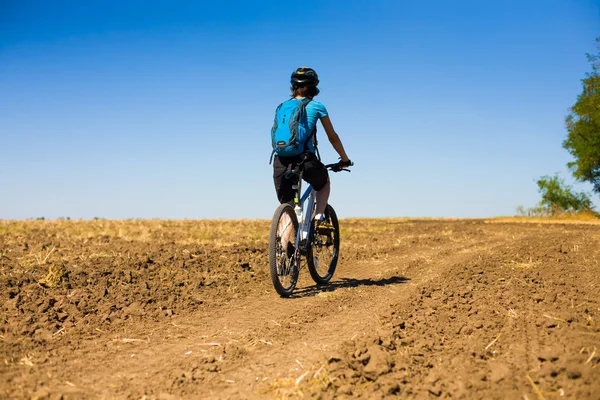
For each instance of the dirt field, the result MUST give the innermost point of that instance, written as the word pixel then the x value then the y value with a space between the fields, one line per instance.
pixel 185 309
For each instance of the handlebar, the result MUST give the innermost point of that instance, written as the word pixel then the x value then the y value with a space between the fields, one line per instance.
pixel 294 173
pixel 338 168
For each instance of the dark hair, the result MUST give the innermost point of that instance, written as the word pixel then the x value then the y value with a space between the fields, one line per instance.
pixel 305 91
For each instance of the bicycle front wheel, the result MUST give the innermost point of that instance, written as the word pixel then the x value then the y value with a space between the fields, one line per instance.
pixel 283 257
pixel 324 248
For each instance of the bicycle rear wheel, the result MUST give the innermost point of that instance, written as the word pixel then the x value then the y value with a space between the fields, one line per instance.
pixel 324 250
pixel 283 257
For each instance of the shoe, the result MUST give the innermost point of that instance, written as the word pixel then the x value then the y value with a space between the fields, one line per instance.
pixel 323 227
pixel 325 230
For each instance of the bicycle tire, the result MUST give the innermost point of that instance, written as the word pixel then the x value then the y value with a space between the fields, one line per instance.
pixel 281 266
pixel 319 244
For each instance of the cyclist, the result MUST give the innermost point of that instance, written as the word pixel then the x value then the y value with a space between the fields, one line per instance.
pixel 304 83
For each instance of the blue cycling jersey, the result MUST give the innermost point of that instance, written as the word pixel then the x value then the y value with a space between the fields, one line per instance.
pixel 314 111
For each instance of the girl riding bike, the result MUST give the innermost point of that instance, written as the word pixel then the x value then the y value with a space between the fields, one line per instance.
pixel 304 83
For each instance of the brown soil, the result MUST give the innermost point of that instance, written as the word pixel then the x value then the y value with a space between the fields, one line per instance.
pixel 185 309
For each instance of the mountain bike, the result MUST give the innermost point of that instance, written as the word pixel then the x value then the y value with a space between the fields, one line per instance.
pixel 294 237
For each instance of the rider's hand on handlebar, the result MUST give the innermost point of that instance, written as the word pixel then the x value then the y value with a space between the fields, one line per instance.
pixel 344 164
pixel 341 166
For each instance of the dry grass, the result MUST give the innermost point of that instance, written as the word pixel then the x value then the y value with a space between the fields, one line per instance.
pixel 564 219
pixel 523 264
pixel 56 273
pixel 180 231
pixel 312 379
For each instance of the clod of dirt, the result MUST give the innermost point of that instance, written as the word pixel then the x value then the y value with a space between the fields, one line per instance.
pixel 345 389
pixel 551 324
pixel 574 373
pixel 499 371
pixel 436 391
pixel 379 362
pixel 393 389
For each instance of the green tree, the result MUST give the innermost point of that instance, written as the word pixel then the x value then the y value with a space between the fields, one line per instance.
pixel 583 125
pixel 559 198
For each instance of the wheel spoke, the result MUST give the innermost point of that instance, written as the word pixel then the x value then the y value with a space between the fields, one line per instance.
pixel 324 249
pixel 283 265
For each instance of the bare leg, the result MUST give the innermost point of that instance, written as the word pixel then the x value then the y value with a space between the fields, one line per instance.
pixel 322 198
pixel 285 227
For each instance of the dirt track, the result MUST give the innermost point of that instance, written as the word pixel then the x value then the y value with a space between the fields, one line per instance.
pixel 417 309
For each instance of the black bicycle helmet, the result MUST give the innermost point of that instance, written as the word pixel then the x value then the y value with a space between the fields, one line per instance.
pixel 304 76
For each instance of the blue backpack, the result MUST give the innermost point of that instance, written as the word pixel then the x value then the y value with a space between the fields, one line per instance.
pixel 290 132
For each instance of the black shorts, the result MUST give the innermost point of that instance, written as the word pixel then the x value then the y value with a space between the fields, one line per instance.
pixel 314 173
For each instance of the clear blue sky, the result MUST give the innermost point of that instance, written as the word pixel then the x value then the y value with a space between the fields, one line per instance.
pixel 162 109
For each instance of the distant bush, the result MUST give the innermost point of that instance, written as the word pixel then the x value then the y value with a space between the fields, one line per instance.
pixel 558 199
pixel 583 125
pixel 532 211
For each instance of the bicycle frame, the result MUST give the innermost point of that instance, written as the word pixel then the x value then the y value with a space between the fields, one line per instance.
pixel 305 223
pixel 306 220
pixel 285 261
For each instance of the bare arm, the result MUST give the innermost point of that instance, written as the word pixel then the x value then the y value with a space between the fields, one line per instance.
pixel 333 137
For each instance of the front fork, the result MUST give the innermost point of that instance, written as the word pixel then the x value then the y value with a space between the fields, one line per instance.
pixel 305 223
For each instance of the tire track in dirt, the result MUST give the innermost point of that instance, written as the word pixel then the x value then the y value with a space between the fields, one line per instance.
pixel 503 325
pixel 420 309
pixel 250 346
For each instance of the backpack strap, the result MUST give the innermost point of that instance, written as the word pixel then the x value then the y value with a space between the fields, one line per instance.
pixel 273 132
pixel 313 135
pixel 315 143
pixel 305 101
